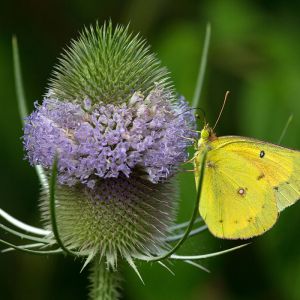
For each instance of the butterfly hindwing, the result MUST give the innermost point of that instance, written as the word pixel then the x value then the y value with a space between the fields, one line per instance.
pixel 234 204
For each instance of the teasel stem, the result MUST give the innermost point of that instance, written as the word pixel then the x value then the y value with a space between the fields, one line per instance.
pixel 104 281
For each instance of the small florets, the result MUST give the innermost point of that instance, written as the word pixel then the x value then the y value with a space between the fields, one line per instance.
pixel 145 135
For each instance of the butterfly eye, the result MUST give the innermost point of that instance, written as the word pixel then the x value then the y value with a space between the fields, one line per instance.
pixel 262 154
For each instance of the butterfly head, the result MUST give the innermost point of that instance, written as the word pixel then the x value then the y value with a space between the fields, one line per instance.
pixel 206 135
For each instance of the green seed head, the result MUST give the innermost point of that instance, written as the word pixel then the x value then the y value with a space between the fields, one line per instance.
pixel 106 65
pixel 119 218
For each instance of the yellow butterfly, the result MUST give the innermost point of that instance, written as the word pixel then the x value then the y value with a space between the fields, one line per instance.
pixel 246 183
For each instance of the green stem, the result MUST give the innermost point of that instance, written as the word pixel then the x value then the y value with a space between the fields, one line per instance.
pixel 105 283
pixel 23 112
pixel 19 81
pixel 202 67
pixel 192 220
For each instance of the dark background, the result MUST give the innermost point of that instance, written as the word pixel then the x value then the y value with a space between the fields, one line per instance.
pixel 255 53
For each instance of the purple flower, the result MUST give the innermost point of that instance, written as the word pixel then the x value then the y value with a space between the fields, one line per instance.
pixel 145 136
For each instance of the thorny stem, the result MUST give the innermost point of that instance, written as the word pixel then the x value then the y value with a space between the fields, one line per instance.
pixel 104 282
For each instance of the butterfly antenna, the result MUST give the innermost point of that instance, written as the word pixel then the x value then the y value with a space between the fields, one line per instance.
pixel 285 129
pixel 196 115
pixel 192 108
pixel 221 111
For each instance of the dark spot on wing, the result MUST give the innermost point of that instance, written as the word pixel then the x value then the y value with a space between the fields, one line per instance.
pixel 250 219
pixel 263 206
pixel 261 176
pixel 236 221
pixel 221 221
pixel 262 154
pixel 210 164
pixel 276 188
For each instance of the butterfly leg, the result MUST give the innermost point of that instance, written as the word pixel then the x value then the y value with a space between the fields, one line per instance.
pixel 197 131
pixel 189 161
pixel 188 138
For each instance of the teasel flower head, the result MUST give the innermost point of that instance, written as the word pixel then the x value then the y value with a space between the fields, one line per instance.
pixel 120 133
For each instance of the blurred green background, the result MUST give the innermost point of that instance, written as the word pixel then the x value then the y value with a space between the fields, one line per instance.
pixel 255 53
